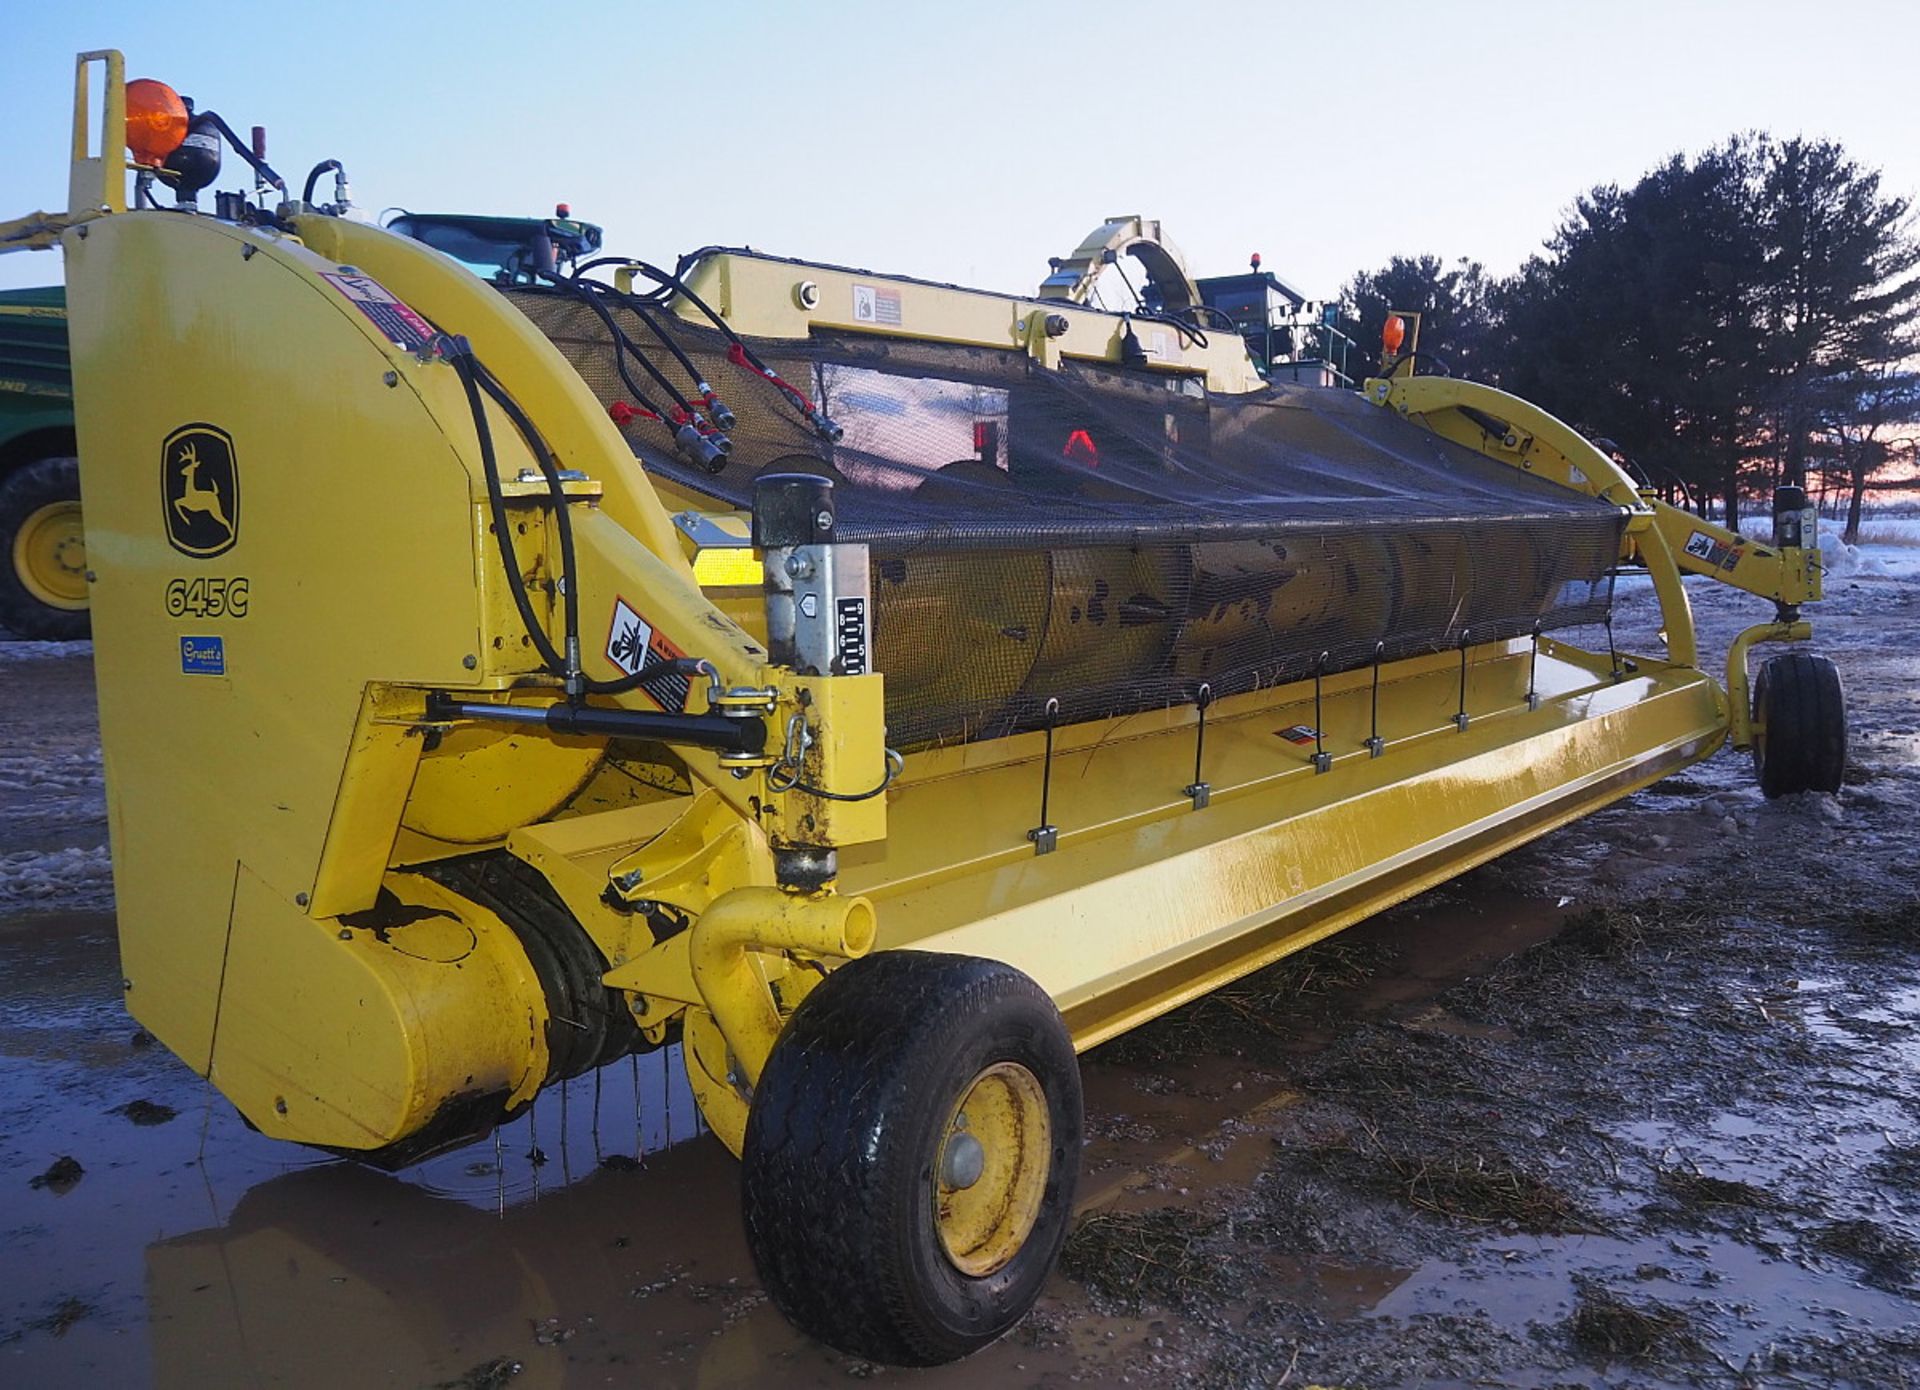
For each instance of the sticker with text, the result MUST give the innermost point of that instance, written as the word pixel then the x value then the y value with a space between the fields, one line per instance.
pixel 633 646
pixel 203 656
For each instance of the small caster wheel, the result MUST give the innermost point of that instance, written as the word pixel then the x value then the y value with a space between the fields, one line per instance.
pixel 1799 725
pixel 911 1155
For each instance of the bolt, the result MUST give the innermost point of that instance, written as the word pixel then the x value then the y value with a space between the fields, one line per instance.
pixel 470 661
pixel 345 935
pixel 299 899
pixel 91 576
pixel 246 252
pixel 823 520
pixel 126 984
pixel 280 1105
pixel 392 378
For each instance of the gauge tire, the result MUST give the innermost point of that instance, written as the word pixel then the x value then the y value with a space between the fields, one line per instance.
pixel 1799 725
pixel 843 1138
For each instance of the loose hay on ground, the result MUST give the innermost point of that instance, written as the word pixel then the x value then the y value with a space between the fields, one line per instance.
pixel 1888 1260
pixel 1608 1326
pixel 1455 1180
pixel 1691 1187
pixel 1144 1257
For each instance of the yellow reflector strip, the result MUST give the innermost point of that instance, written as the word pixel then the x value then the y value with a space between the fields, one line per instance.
pixel 721 567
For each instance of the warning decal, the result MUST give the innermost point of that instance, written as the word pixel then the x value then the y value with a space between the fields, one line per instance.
pixel 1298 733
pixel 397 323
pixel 1704 547
pixel 876 306
pixel 633 646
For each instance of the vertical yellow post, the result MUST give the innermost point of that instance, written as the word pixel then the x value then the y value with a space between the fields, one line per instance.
pixel 98 182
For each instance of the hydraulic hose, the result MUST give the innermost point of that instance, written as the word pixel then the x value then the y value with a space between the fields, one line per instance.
pixel 245 151
pixel 467 369
pixel 698 445
pixel 313 176
pixel 475 379
pixel 583 290
pixel 722 417
pixel 739 352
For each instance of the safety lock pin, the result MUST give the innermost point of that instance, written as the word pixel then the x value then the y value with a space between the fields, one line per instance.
pixel 1046 836
pixel 1322 759
pixel 1199 789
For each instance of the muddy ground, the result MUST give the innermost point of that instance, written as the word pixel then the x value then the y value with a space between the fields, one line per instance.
pixel 1636 1106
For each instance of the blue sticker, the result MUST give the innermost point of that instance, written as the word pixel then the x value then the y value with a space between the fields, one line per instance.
pixel 203 656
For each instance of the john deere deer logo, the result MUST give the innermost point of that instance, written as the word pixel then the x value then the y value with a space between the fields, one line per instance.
pixel 200 490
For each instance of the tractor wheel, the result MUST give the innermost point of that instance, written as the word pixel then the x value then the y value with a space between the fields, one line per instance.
pixel 911 1155
pixel 43 555
pixel 1799 725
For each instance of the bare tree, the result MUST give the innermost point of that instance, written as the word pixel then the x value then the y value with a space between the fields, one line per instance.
pixel 1876 424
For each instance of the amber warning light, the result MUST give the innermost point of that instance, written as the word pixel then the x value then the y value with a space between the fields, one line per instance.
pixel 1393 333
pixel 156 120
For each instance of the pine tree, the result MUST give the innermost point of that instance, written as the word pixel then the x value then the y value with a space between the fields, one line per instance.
pixel 1452 301
pixel 1842 310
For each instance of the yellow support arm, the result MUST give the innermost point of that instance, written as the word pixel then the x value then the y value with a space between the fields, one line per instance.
pixel 1668 541
pixel 1788 575
pixel 1520 434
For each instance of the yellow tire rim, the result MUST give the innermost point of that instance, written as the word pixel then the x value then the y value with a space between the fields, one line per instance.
pixel 50 556
pixel 990 1176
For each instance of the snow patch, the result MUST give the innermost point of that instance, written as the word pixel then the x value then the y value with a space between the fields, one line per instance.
pixel 12 652
pixel 60 772
pixel 1843 561
pixel 70 879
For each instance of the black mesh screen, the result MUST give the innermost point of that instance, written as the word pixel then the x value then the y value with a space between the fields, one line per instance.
pixel 1113 539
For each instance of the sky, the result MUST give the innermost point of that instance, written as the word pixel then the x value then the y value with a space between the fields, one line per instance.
pixel 970 142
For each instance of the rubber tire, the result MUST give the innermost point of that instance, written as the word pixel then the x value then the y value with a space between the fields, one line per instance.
pixel 842 1138
pixel 22 493
pixel 1800 725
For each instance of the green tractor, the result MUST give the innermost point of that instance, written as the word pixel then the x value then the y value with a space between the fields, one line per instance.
pixel 43 559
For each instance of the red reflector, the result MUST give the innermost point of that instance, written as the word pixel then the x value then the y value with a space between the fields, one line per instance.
pixel 979 436
pixel 1081 448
